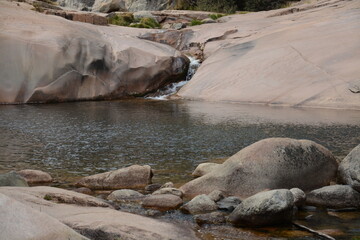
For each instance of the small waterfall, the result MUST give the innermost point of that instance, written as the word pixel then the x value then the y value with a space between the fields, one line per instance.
pixel 171 89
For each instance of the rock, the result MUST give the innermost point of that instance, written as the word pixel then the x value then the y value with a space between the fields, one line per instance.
pixel 144 5
pixel 97 222
pixel 83 190
pixel 178 26
pixel 83 5
pixel 106 6
pixel 125 195
pixel 269 164
pixel 12 179
pixel 228 204
pixel 19 221
pixel 208 20
pixel 204 168
pixel 264 208
pixel 210 218
pixel 65 64
pixel 79 16
pixel 299 196
pixel 144 14
pixel 35 176
pixel 216 195
pixel 335 196
pixel 152 188
pixel 173 191
pixel 133 177
pixel 349 169
pixel 163 202
pixel 167 185
pixel 199 204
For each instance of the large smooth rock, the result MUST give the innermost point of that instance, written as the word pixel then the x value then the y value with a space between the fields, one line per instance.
pixel 98 222
pixel 12 179
pixel 133 177
pixel 269 164
pixel 162 202
pixel 335 196
pixel 265 208
pixel 199 204
pixel 35 176
pixel 204 168
pixel 64 63
pixel 107 6
pixel 125 195
pixel 349 169
pixel 21 222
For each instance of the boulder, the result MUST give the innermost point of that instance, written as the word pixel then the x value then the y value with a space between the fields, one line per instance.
pixel 144 14
pixel 210 218
pixel 173 191
pixel 349 169
pixel 204 168
pixel 167 185
pixel 106 6
pixel 228 204
pixel 163 202
pixel 83 190
pixel 19 222
pixel 269 164
pixel 299 196
pixel 133 177
pixel 125 195
pixel 35 176
pixel 335 196
pixel 12 179
pixel 265 208
pixel 208 20
pixel 65 64
pixel 152 188
pixel 199 204
pixel 216 195
pixel 83 5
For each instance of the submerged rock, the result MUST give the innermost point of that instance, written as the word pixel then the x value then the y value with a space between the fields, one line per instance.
pixel 335 196
pixel 204 168
pixel 35 176
pixel 163 202
pixel 264 208
pixel 349 169
pixel 269 164
pixel 228 204
pixel 12 179
pixel 199 204
pixel 132 177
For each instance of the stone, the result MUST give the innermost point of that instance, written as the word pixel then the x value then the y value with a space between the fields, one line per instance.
pixel 125 195
pixel 264 208
pixel 133 177
pixel 12 179
pixel 216 195
pixel 228 204
pixel 83 5
pixel 163 202
pixel 19 221
pixel 335 196
pixel 83 190
pixel 349 169
pixel 204 168
pixel 35 176
pixel 210 218
pixel 271 163
pixel 167 185
pixel 299 197
pixel 173 191
pixel 107 6
pixel 178 26
pixel 152 188
pixel 144 14
pixel 79 16
pixel 208 20
pixel 199 204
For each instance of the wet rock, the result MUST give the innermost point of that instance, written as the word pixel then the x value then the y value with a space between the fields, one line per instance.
pixel 335 196
pixel 83 190
pixel 349 169
pixel 35 176
pixel 265 208
pixel 173 191
pixel 228 204
pixel 210 218
pixel 216 195
pixel 152 188
pixel 12 179
pixel 133 177
pixel 204 168
pixel 125 195
pixel 163 202
pixel 299 196
pixel 168 185
pixel 269 164
pixel 199 204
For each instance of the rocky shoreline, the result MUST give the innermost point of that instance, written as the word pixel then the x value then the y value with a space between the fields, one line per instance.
pixel 274 199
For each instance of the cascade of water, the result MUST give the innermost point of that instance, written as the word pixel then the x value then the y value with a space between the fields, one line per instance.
pixel 163 94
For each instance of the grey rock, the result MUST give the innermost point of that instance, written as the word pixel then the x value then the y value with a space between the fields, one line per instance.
pixel 144 14
pixel 168 185
pixel 12 179
pixel 204 168
pixel 349 169
pixel 125 195
pixel 335 196
pixel 199 204
pixel 264 208
pixel 178 26
pixel 163 202
pixel 173 191
pixel 106 6
pixel 216 195
pixel 229 204
pixel 299 196
pixel 210 218
pixel 208 20
pixel 152 188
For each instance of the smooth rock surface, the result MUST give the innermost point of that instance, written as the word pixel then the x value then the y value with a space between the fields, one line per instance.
pixel 133 177
pixel 299 196
pixel 199 204
pixel 265 208
pixel 335 196
pixel 228 204
pixel 35 176
pixel 269 164
pixel 125 195
pixel 12 179
pixel 204 168
pixel 162 202
pixel 349 169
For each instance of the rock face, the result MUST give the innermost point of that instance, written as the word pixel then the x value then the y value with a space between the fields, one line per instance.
pixel 162 202
pixel 35 176
pixel 12 179
pixel 132 177
pixel 335 196
pixel 269 164
pixel 19 221
pixel 265 208
pixel 349 169
pixel 199 204
pixel 64 64
pixel 204 168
